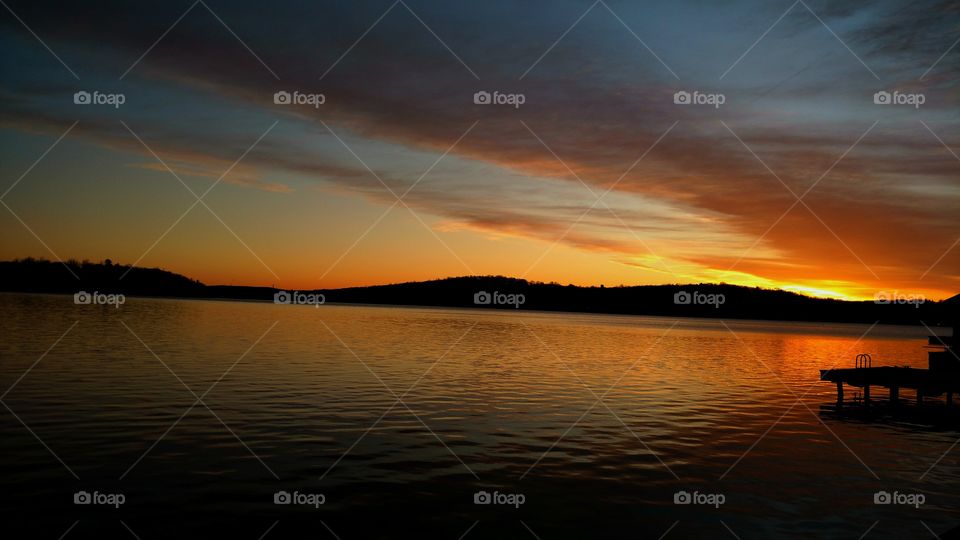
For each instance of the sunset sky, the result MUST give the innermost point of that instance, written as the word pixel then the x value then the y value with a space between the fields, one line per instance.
pixel 690 193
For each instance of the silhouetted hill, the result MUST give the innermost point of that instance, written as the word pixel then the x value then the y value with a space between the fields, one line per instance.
pixel 38 275
pixel 490 292
pixel 738 302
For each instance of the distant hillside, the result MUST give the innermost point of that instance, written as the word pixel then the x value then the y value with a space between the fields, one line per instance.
pixel 738 302
pixel 491 292
pixel 39 275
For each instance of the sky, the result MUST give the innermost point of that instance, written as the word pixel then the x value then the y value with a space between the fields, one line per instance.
pixel 781 169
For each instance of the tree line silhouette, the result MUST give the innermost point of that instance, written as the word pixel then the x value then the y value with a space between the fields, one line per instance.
pixel 739 302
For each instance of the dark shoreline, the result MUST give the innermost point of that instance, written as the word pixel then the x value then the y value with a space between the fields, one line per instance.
pixel 706 301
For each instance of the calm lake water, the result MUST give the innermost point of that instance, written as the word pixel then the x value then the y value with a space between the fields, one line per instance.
pixel 303 399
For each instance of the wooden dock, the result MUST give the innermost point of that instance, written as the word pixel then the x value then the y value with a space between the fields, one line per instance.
pixel 941 377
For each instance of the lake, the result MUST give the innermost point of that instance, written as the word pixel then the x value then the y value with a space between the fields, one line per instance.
pixel 370 421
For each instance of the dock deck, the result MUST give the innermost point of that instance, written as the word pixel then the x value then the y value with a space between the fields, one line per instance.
pixel 923 381
pixel 942 377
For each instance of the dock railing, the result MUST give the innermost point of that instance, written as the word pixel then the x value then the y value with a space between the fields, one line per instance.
pixel 863 360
